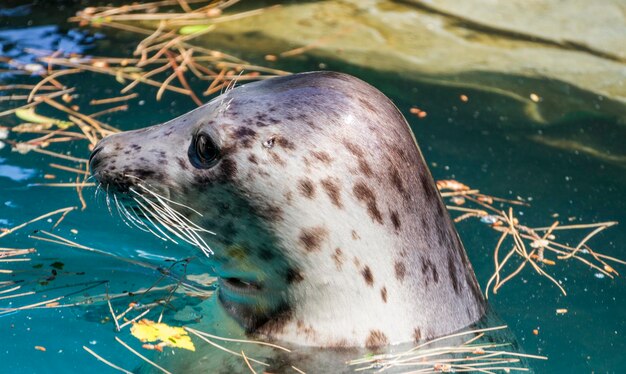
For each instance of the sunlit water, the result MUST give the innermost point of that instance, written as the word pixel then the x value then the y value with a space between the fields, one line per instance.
pixel 462 141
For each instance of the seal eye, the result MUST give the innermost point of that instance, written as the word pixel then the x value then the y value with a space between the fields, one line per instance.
pixel 206 151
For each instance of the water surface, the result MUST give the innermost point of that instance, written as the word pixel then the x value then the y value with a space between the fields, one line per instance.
pixel 505 156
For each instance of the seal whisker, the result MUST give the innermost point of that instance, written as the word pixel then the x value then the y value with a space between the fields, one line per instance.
pixel 135 220
pixel 169 200
pixel 143 209
pixel 184 220
pixel 163 203
pixel 108 200
pixel 191 233
pixel 184 232
pixel 98 188
pixel 160 216
pixel 174 221
pixel 122 213
pixel 233 82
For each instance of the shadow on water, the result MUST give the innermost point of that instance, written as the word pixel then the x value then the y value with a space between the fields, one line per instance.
pixel 569 164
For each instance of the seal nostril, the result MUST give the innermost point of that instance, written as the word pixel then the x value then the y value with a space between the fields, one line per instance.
pixel 93 162
pixel 94 153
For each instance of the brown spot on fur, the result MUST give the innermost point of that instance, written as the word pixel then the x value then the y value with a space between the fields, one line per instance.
pixel 307 188
pixel 376 339
pixel 367 104
pixel 428 188
pixel 417 334
pixel 354 149
pixel 357 152
pixel 322 156
pixel 303 329
pixel 341 343
pixel 312 238
pixel 277 159
pixel 246 135
pixel 182 163
pixel 294 276
pixel 427 266
pixel 307 162
pixel 367 275
pixel 400 269
pixel 397 181
pixel 355 235
pixel 364 194
pixel 228 168
pixel 400 152
pixel 338 258
pixel 273 213
pixel 452 273
pixel 333 191
pixel 252 159
pixel 285 143
pixel 365 168
pixel 383 294
pixel 395 220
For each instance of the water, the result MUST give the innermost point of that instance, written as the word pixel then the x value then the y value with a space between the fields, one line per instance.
pixel 471 142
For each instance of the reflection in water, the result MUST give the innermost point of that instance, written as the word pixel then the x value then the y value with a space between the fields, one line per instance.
pixel 16 173
pixel 22 46
pixel 18 11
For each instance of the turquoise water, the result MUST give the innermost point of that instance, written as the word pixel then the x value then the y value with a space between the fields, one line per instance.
pixel 471 142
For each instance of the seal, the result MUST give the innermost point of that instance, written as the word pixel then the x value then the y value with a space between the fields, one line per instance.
pixel 315 206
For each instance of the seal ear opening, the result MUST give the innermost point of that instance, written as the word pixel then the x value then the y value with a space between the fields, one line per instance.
pixel 269 143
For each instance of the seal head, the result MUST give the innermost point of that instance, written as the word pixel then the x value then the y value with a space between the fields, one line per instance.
pixel 326 226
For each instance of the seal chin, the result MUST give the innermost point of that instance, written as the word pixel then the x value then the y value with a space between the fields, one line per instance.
pixel 249 307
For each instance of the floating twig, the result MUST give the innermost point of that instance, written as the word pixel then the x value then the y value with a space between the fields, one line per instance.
pixel 100 358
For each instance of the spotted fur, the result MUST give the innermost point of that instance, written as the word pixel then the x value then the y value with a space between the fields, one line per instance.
pixel 316 172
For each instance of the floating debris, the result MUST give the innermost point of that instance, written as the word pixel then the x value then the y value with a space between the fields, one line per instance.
pixel 460 357
pixel 450 184
pixel 29 115
pixel 162 335
pixel 530 245
pixel 457 200
pixel 418 112
pixel 490 219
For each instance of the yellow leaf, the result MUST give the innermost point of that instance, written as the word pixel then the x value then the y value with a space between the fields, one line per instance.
pixel 29 115
pixel 150 331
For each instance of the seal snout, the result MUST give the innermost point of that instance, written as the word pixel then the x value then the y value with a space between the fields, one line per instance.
pixel 102 163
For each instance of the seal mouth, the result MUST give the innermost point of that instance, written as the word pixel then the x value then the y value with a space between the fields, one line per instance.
pixel 239 285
